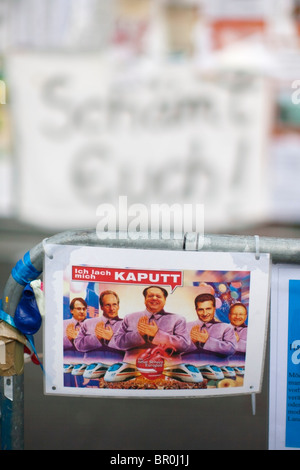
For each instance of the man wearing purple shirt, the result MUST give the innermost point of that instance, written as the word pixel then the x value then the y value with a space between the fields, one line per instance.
pixel 97 335
pixel 153 327
pixel 78 309
pixel 238 316
pixel 212 341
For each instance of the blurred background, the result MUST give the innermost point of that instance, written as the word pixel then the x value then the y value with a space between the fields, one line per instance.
pixel 161 101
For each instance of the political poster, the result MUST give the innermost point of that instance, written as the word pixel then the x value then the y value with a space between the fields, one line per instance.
pixel 284 405
pixel 156 323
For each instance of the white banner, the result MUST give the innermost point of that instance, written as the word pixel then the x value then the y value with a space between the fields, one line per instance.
pixel 90 130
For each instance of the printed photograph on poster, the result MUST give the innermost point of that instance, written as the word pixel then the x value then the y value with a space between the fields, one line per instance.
pixel 156 323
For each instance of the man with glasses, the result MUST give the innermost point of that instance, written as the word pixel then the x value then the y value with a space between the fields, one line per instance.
pixel 78 309
pixel 238 316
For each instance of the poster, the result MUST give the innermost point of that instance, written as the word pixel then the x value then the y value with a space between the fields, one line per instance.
pixel 155 323
pixel 284 406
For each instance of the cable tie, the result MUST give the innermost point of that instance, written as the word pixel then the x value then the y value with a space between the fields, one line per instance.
pixel 257 252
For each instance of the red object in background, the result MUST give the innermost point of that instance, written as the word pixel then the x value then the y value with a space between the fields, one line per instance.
pixel 226 32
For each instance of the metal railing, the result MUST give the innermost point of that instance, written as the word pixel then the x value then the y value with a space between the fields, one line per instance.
pixel 282 250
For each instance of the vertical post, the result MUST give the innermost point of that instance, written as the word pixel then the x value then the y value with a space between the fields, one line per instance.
pixel 12 388
pixel 12 412
pixel 253 403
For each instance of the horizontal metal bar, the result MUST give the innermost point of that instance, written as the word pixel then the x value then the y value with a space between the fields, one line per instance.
pixel 282 250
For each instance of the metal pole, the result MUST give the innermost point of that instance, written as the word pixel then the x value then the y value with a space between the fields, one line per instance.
pixel 12 388
pixel 12 409
pixel 12 412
